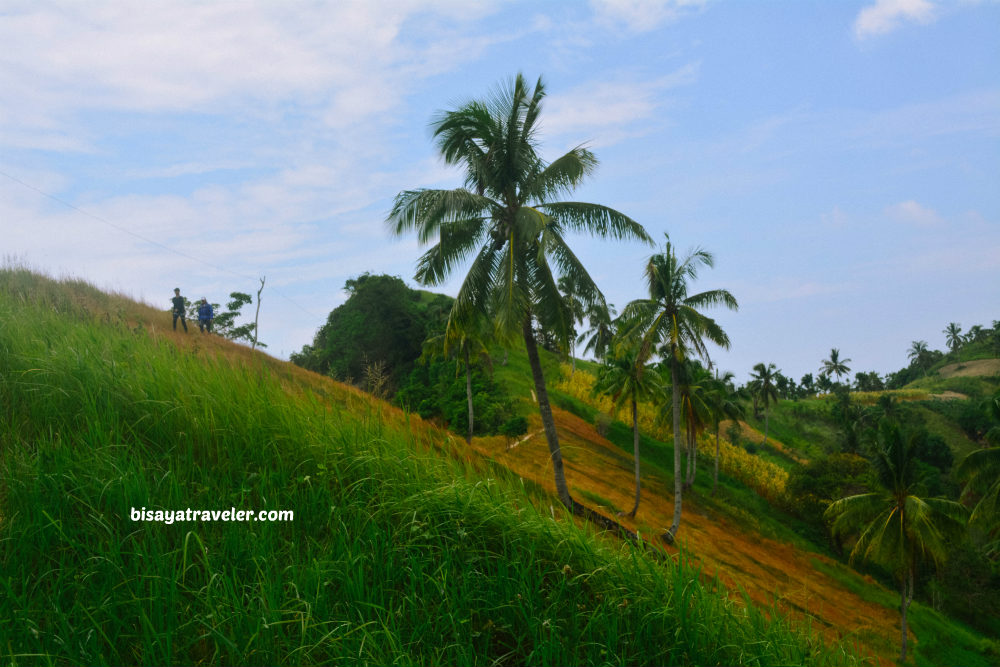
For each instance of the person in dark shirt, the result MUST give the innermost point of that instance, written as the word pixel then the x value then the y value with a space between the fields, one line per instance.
pixel 205 316
pixel 178 310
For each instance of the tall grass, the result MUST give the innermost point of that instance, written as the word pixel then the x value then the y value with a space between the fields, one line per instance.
pixel 396 555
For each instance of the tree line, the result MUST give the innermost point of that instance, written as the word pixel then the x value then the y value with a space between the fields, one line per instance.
pixel 978 340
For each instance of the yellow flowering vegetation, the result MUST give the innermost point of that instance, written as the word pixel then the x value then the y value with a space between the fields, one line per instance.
pixel 871 397
pixel 762 476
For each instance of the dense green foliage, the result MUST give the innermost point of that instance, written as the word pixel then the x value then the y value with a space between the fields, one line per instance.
pixel 436 388
pixel 396 554
pixel 896 526
pixel 382 322
pixel 814 486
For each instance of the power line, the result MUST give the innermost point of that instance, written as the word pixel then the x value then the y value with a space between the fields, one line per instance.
pixel 148 240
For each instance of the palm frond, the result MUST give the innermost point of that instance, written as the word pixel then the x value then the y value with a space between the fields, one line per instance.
pixel 561 176
pixel 459 240
pixel 427 210
pixel 510 300
pixel 715 297
pixel 934 524
pixel 547 303
pixel 473 296
pixel 571 268
pixel 597 220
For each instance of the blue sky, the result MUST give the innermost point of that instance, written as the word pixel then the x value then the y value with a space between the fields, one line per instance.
pixel 840 159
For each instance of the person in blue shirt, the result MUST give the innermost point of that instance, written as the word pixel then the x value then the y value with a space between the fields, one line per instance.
pixel 205 316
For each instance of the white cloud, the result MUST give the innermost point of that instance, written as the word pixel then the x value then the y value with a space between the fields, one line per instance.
pixel 341 62
pixel 605 112
pixel 910 212
pixel 887 15
pixel 642 15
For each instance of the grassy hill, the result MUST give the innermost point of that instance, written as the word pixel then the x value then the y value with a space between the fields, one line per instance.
pixel 405 547
pixel 745 534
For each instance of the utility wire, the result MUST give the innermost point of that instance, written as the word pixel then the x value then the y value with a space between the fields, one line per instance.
pixel 150 241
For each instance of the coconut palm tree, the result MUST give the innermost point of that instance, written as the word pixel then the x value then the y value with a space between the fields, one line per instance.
pixel 627 379
pixel 918 354
pixel 598 338
pixel 722 404
pixel 981 470
pixel 577 312
pixel 953 336
pixel 695 412
pixel 670 322
pixel 509 221
pixel 764 391
pixel 835 365
pixel 896 527
pixel 975 334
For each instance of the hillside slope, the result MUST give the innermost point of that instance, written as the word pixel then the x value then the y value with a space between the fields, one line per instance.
pixel 746 540
pixel 404 547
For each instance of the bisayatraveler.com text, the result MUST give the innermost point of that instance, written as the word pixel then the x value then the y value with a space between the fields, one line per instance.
pixel 190 515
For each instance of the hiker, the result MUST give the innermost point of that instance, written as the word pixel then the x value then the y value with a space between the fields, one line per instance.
pixel 205 316
pixel 178 310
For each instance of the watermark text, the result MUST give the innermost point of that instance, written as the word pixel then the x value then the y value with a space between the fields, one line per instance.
pixel 190 515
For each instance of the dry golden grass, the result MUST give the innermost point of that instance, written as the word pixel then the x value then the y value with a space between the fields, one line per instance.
pixel 768 571
pixel 979 367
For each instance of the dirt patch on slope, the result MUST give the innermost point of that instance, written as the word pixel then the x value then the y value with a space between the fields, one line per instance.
pixel 979 367
pixel 771 573
pixel 949 396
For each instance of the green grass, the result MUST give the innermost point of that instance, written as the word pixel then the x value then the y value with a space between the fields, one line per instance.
pixel 396 555
pixel 975 387
pixel 602 503
pixel 803 426
pixel 968 352
pixel 515 375
pixel 941 640
pixel 947 429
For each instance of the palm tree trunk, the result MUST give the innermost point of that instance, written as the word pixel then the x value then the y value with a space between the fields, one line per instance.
pixel 635 453
pixel 767 420
pixel 715 477
pixel 905 597
pixel 692 462
pixel 545 410
pixel 694 456
pixel 671 534
pixel 687 461
pixel 468 390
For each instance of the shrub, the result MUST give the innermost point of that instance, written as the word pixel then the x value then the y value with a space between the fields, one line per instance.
pixel 514 427
pixel 437 389
pixel 602 422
